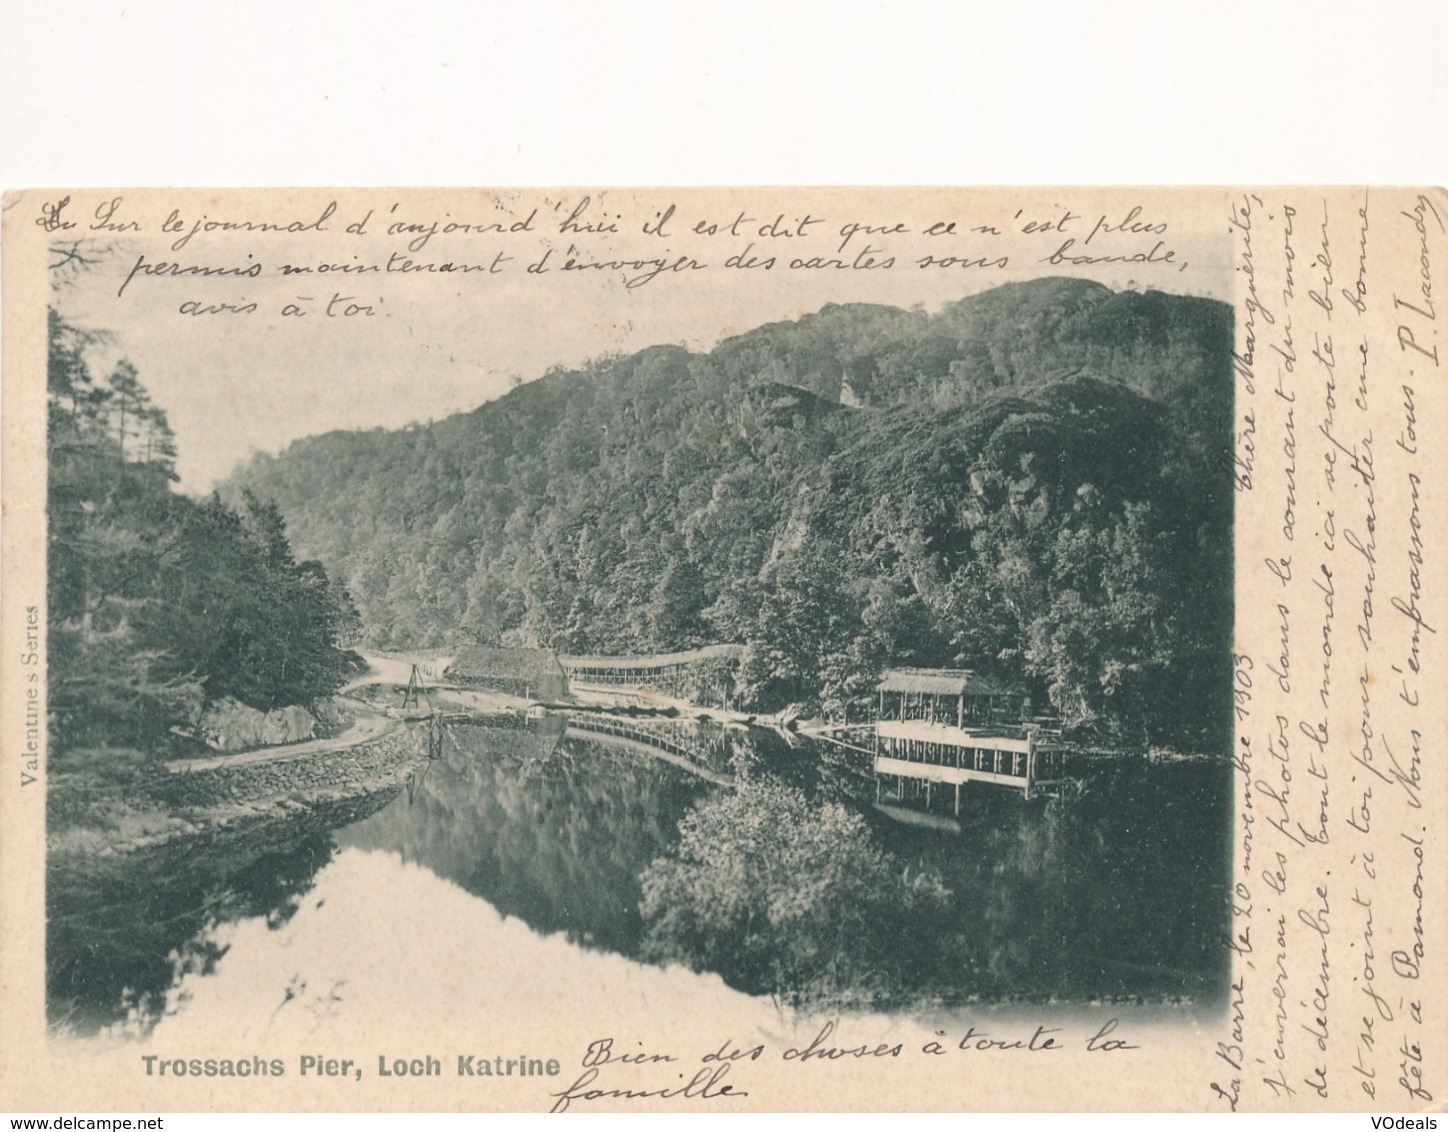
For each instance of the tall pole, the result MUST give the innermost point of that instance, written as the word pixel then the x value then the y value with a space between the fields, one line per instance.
pixel 1030 761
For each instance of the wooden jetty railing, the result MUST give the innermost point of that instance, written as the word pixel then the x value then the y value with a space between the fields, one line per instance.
pixel 953 756
pixel 659 741
pixel 663 672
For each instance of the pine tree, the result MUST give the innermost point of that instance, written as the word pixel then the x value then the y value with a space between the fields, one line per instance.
pixel 158 603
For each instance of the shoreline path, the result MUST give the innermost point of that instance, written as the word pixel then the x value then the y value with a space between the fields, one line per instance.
pixel 368 725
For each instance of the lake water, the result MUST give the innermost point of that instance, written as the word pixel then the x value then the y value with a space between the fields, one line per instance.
pixel 1115 892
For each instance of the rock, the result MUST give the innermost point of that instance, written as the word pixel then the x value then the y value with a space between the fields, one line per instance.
pixel 229 725
pixel 330 717
pixel 291 724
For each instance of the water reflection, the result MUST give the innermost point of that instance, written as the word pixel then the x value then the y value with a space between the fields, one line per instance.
pixel 120 931
pixel 1118 892
pixel 553 832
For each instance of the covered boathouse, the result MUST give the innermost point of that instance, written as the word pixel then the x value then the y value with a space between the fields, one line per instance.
pixel 704 675
pixel 950 726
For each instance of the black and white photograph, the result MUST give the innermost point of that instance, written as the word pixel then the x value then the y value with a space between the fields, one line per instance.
pixel 686 649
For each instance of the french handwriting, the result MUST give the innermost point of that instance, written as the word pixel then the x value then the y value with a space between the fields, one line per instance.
pixel 1332 943
pixel 584 236
pixel 612 1070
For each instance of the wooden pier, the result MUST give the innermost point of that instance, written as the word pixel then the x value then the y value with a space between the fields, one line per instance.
pixel 950 727
pixel 955 756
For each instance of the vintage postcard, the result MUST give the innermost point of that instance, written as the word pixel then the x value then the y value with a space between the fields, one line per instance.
pixel 724 650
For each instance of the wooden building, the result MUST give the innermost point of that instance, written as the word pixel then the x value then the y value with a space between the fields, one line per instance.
pixel 533 674
pixel 948 695
pixel 952 726
pixel 705 675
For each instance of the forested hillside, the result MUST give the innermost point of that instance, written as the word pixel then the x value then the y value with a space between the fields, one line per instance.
pixel 160 605
pixel 1028 482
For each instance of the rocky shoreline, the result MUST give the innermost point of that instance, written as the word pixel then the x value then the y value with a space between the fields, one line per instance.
pixel 175 805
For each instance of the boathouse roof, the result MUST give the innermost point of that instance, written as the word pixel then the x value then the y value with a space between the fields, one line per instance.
pixel 942 682
pixel 656 660
pixel 484 661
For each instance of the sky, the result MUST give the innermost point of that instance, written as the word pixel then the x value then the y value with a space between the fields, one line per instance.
pixel 431 344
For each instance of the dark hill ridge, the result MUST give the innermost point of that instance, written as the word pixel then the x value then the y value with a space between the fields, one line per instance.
pixel 1030 485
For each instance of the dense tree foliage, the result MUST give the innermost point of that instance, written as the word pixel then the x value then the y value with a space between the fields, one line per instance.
pixel 1029 482
pixel 786 897
pixel 159 603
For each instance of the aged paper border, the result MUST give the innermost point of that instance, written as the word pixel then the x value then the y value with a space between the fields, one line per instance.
pixel 1178 1073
